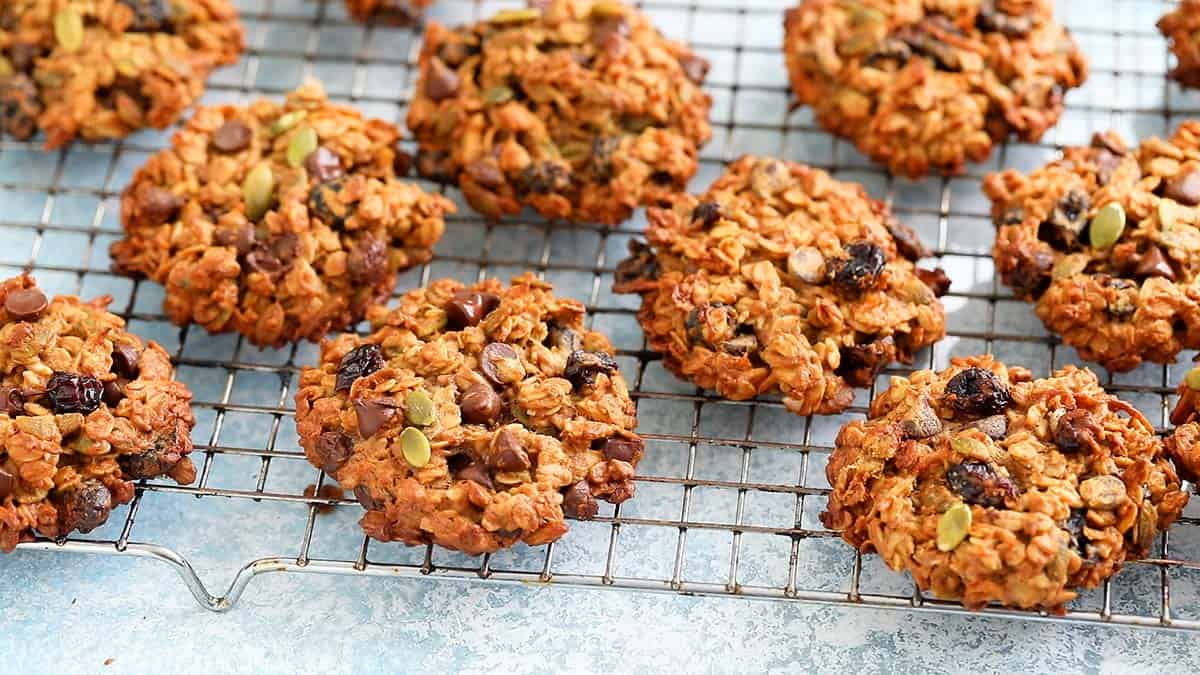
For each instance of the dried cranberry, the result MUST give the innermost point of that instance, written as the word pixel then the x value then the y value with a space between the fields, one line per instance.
pixel 74 393
pixel 976 392
pixel 861 363
pixel 978 483
pixel 358 362
pixel 582 367
pixel 859 270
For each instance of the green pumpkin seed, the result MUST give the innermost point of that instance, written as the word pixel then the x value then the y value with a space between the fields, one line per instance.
pixel 415 447
pixel 965 445
pixel 511 16
pixel 418 408
pixel 287 121
pixel 68 29
pixel 302 144
pixel 1193 379
pixel 1107 225
pixel 1167 214
pixel 258 190
pixel 952 527
pixel 497 95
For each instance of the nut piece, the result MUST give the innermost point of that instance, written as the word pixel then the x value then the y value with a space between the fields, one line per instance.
pixel 952 527
pixel 807 264
pixel 1102 492
pixel 415 447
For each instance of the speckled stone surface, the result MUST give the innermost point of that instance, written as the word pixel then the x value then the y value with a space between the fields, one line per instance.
pixel 70 613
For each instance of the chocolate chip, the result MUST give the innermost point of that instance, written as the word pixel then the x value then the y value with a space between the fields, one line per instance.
pixel 486 173
pixel 907 242
pixel 158 205
pixel 86 507
pixel 368 260
pixel 1076 431
pixel 707 213
pixel 24 304
pixel 368 501
pixel 561 337
pixel 501 364
pixel 976 392
pixel 1153 263
pixel 114 391
pixel 70 393
pixel 333 449
pixel 480 404
pixel 323 165
pixel 694 67
pixel 477 473
pixel 358 362
pixel 12 401
pixel 578 501
pixel 402 164
pixel 276 257
pixel 468 308
pixel 508 453
pixel 441 81
pixel 372 415
pixel 859 270
pixel 232 136
pixel 125 361
pixel 622 449
pixel 1184 188
pixel 8 484
pixel 936 279
pixel 978 483
pixel 582 367
pixel 239 237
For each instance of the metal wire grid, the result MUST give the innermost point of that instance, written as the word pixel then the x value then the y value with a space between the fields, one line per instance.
pixel 729 491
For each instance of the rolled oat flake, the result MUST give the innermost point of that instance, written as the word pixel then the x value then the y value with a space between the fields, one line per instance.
pixel 68 29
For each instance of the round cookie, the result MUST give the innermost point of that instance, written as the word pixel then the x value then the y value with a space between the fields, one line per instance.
pixel 1181 27
pixel 1106 241
pixel 391 12
pixel 1183 444
pixel 280 222
pixel 472 417
pixel 781 278
pixel 929 84
pixel 581 110
pixel 85 408
pixel 102 69
pixel 990 486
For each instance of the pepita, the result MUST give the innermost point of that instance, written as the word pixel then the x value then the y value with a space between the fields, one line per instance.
pixel 419 409
pixel 287 121
pixel 497 95
pixel 414 446
pixel 1193 379
pixel 302 144
pixel 952 527
pixel 258 190
pixel 68 29
pixel 1107 225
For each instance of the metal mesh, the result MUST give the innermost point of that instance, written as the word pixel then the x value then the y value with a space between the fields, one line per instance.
pixel 729 492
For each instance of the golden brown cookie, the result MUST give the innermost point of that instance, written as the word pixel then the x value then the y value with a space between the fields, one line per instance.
pixel 1181 27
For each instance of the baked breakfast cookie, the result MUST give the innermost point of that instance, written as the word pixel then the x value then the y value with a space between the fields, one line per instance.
pixel 1105 240
pixel 780 278
pixel 280 222
pixel 1183 444
pixel 990 486
pixel 1181 27
pixel 929 84
pixel 102 69
pixel 473 417
pixel 85 408
pixel 393 12
pixel 581 110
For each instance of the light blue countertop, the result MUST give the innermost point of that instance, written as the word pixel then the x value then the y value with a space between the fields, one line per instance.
pixel 70 613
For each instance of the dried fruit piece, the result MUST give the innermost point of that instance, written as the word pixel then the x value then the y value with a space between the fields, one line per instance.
pixel 1076 430
pixel 71 393
pixel 358 362
pixel 978 483
pixel 976 392
pixel 583 367
pixel 859 270
pixel 953 526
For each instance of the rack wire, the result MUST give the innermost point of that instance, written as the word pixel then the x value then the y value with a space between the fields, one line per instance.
pixel 729 491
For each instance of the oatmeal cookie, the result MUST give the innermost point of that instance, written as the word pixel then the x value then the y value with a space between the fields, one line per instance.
pixel 1183 444
pixel 990 486
pixel 393 12
pixel 929 84
pixel 102 69
pixel 1182 29
pixel 85 408
pixel 280 222
pixel 581 110
pixel 1106 242
pixel 780 278
pixel 473 417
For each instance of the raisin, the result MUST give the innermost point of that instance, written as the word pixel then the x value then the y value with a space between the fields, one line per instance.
pixel 74 393
pixel 544 177
pixel 861 363
pixel 978 483
pixel 1031 277
pixel 907 242
pixel 707 213
pixel 154 461
pixel 358 362
pixel 1062 229
pixel 860 270
pixel 976 392
pixel 324 202
pixel 1076 430
pixel 582 367
pixel 85 508
pixel 603 150
pixel 1074 527
pixel 149 16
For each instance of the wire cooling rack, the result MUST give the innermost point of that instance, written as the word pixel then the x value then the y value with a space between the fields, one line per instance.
pixel 729 492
